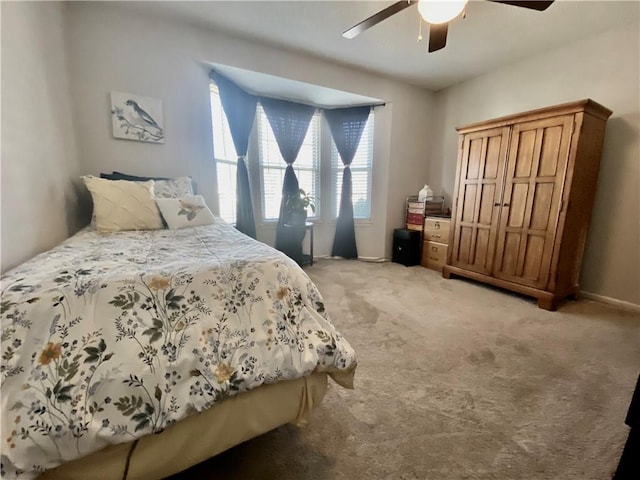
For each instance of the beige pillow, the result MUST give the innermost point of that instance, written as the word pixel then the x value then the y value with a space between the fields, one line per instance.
pixel 123 205
pixel 191 211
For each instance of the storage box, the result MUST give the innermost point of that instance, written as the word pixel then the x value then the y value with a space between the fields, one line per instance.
pixel 415 218
pixel 434 206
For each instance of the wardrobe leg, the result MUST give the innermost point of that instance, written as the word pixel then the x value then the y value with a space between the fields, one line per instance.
pixel 548 303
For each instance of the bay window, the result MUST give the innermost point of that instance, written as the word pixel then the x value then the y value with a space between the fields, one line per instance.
pixel 226 159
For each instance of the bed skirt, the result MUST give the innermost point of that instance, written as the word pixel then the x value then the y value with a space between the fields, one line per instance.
pixel 204 435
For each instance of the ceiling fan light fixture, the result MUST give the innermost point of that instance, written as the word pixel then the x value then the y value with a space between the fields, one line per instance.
pixel 440 11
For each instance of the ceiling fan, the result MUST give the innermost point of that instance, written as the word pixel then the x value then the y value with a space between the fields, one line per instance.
pixel 438 13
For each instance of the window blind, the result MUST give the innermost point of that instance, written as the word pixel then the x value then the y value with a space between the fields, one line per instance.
pixel 361 169
pixel 272 166
pixel 225 157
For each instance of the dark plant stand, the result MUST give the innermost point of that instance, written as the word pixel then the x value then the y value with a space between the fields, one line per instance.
pixel 292 246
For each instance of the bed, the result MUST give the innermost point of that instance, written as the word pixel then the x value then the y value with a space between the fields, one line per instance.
pixel 139 354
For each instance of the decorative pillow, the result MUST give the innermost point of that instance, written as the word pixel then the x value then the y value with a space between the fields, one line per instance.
pixel 132 178
pixel 191 211
pixel 164 187
pixel 174 188
pixel 122 205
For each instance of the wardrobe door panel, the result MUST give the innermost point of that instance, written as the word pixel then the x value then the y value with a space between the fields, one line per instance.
pixel 487 203
pixel 483 158
pixel 518 205
pixel 469 204
pixel 510 257
pixel 531 202
pixel 542 206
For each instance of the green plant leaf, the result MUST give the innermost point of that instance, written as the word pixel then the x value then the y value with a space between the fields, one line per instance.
pixel 143 424
pixel 6 305
pixel 139 416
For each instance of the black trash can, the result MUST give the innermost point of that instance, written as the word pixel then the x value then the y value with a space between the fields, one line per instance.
pixel 406 246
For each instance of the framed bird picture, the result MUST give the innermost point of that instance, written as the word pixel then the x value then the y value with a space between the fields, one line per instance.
pixel 137 118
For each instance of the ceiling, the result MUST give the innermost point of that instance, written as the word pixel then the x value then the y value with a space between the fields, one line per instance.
pixel 490 36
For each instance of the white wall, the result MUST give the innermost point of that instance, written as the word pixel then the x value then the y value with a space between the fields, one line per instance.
pixel 605 68
pixel 114 49
pixel 40 166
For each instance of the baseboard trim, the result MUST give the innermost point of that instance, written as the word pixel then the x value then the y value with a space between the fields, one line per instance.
pixel 612 301
pixel 360 259
pixel 372 259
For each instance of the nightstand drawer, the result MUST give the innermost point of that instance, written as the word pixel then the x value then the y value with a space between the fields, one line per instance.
pixel 434 255
pixel 437 229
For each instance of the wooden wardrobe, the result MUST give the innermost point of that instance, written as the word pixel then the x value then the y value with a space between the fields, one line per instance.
pixel 523 198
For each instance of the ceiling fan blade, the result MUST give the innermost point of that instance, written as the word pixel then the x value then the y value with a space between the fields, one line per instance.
pixel 533 4
pixel 377 18
pixel 437 36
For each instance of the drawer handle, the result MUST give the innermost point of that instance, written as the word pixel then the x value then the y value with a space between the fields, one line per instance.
pixel 435 236
pixel 434 249
pixel 437 225
pixel 434 258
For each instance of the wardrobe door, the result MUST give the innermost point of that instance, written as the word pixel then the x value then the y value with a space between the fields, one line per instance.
pixel 479 189
pixel 531 202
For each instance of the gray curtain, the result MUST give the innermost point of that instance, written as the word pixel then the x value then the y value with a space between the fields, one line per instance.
pixel 240 109
pixel 346 125
pixel 289 122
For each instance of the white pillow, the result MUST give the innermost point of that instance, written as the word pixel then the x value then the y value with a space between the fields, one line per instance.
pixel 123 205
pixel 179 187
pixel 185 212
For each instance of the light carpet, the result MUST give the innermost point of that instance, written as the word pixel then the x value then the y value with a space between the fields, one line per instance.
pixel 456 380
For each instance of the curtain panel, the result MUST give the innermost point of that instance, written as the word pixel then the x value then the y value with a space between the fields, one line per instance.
pixel 289 122
pixel 240 109
pixel 346 125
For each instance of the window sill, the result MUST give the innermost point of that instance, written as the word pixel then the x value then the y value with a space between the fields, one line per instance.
pixel 267 224
pixel 358 222
pixel 316 221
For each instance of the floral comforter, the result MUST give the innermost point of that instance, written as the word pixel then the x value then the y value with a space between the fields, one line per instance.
pixel 107 338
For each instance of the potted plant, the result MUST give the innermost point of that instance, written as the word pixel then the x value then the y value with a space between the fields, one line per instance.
pixel 296 207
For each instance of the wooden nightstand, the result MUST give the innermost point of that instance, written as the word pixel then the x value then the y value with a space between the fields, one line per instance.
pixel 436 242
